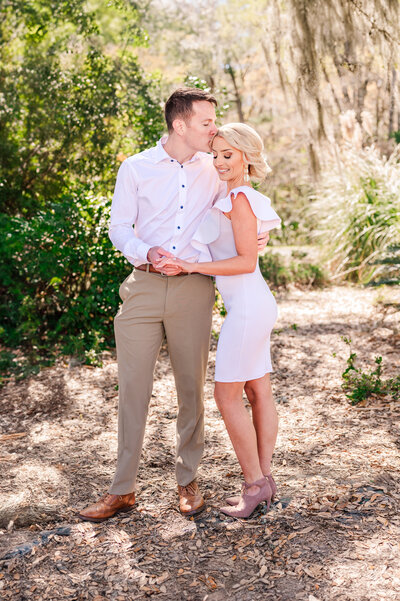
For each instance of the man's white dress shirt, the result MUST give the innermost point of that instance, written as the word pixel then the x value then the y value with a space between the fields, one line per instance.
pixel 164 200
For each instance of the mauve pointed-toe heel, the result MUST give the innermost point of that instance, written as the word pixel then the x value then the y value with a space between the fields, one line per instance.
pixel 250 502
pixel 272 485
pixel 235 499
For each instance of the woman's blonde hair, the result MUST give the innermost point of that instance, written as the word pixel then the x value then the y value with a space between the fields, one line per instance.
pixel 245 138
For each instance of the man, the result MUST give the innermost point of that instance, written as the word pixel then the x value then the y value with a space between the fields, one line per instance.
pixel 164 192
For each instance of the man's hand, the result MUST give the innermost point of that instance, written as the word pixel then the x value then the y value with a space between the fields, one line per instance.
pixel 156 256
pixel 184 265
pixel 262 241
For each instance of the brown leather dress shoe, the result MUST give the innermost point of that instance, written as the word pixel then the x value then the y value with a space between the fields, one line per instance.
pixel 107 507
pixel 190 499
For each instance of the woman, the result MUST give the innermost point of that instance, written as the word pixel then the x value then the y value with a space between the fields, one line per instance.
pixel 227 241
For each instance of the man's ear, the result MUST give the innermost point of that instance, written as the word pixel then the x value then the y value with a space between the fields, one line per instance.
pixel 179 126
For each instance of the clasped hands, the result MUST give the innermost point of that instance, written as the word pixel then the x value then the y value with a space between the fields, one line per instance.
pixel 168 264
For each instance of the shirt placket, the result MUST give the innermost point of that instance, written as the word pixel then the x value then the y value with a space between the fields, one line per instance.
pixel 179 217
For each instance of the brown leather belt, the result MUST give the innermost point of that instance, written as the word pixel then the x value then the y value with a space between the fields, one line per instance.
pixel 149 268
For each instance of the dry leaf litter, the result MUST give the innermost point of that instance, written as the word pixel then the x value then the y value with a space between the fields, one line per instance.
pixel 333 532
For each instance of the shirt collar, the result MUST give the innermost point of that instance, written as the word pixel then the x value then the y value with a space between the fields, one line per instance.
pixel 161 154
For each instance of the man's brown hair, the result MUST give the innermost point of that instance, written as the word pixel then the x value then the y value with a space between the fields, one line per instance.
pixel 180 104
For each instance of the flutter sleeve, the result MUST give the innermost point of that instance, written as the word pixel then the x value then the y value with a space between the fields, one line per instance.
pixel 268 219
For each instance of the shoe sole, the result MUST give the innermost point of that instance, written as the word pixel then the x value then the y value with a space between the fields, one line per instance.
pixel 99 520
pixel 247 517
pixel 194 512
pixel 234 504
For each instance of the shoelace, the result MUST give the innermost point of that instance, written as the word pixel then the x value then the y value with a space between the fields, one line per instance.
pixel 189 489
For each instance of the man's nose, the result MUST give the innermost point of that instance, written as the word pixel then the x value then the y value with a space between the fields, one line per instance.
pixel 213 130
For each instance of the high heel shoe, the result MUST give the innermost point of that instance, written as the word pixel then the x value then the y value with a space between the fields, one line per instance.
pixel 235 500
pixel 248 503
pixel 272 485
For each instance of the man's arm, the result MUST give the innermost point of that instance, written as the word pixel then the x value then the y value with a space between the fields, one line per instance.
pixel 124 209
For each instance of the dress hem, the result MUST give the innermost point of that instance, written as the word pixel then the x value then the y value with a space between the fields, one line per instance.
pixel 246 380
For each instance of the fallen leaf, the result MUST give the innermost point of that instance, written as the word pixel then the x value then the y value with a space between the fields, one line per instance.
pixel 306 530
pixel 263 571
pixel 164 576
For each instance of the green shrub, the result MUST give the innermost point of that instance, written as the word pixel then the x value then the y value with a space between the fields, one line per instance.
pixel 358 205
pixel 279 273
pixel 59 279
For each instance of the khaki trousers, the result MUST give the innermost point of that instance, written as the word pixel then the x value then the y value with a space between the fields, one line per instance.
pixel 154 306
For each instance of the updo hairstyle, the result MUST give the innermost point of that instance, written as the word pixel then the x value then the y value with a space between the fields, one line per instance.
pixel 245 138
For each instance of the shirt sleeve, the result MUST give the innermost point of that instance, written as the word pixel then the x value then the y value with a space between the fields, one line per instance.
pixel 124 210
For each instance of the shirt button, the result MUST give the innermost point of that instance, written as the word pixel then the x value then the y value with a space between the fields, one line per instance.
pixel 174 247
pixel 179 227
pixel 172 160
pixel 181 166
pixel 183 185
pixel 181 206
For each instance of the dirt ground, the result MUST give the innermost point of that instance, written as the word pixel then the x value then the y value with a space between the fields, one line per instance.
pixel 333 532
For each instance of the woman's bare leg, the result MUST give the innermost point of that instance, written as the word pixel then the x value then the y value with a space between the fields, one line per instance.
pixel 242 433
pixel 265 419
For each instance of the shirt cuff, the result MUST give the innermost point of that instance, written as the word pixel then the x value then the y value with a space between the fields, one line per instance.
pixel 142 251
pixel 136 252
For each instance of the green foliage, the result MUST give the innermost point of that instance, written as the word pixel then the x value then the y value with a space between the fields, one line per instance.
pixel 359 385
pixel 192 81
pixel 391 271
pixel 359 213
pixel 279 273
pixel 396 136
pixel 59 279
pixel 219 304
pixel 71 100
pixel 291 202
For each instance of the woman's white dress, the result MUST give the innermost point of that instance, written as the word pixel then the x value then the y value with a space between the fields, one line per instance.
pixel 243 351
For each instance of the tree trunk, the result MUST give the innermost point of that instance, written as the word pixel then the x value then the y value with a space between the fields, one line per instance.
pixel 392 101
pixel 229 69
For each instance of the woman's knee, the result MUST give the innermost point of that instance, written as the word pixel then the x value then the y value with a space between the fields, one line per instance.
pixel 251 393
pixel 220 399
pixel 224 401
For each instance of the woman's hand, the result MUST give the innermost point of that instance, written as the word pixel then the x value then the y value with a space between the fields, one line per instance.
pixel 175 261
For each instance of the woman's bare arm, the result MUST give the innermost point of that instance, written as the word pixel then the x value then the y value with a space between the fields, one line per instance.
pixel 244 225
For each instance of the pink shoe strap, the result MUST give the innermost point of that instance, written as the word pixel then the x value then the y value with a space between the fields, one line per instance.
pixel 260 483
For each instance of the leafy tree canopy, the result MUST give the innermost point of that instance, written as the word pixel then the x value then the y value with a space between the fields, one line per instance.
pixel 72 96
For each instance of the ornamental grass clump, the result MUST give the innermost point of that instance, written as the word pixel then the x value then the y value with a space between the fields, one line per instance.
pixel 358 209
